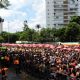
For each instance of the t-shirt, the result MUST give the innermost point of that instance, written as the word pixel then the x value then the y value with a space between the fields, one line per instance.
pixel 16 61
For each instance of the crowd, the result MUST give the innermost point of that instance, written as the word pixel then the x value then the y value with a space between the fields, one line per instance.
pixel 60 63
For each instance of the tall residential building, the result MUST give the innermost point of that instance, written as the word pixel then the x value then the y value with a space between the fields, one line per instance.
pixel 59 12
pixel 1 24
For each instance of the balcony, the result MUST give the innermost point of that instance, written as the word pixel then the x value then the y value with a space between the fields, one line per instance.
pixel 65 13
pixel 65 17
pixel 65 9
pixel 66 21
pixel 65 2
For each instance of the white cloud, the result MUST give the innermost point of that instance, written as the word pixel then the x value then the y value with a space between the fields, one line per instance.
pixel 14 11
pixel 39 7
pixel 5 13
pixel 17 4
pixel 14 16
pixel 13 26
pixel 11 13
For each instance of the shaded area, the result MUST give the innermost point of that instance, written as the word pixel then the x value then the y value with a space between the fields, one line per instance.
pixel 11 75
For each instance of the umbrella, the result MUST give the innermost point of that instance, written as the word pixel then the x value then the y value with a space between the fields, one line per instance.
pixel 52 47
pixel 47 45
pixel 34 45
pixel 26 45
pixel 40 45
pixel 5 68
pixel 78 66
pixel 64 48
pixel 77 50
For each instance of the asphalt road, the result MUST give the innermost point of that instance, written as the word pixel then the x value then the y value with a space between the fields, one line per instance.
pixel 11 75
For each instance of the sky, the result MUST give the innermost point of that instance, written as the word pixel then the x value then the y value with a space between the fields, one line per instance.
pixel 31 10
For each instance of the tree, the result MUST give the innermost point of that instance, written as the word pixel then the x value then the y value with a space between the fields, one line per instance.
pixel 38 26
pixel 25 26
pixel 1 39
pixel 47 34
pixel 4 4
pixel 26 35
pixel 60 33
pixel 72 31
pixel 13 37
pixel 35 37
pixel 75 19
pixel 1 20
pixel 5 35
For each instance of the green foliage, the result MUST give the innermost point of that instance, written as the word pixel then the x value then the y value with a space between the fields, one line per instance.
pixel 12 38
pixel 4 4
pixel 9 37
pixel 75 19
pixel 26 35
pixel 61 34
pixel 72 31
pixel 48 34
pixel 5 36
pixel 1 39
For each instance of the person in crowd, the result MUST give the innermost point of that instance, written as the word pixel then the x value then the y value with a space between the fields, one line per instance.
pixel 16 65
pixel 57 63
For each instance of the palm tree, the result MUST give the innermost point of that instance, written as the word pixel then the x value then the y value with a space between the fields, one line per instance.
pixel 38 26
pixel 4 4
pixel 1 20
pixel 25 25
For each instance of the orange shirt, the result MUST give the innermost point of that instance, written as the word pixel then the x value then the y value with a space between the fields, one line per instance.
pixel 16 61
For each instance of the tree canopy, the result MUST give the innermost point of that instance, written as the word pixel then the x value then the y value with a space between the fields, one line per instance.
pixel 69 33
pixel 4 4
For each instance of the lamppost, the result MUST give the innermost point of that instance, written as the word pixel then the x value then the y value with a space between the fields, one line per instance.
pixel 8 32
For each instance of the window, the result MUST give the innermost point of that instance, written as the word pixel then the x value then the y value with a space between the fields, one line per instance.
pixel 48 13
pixel 54 13
pixel 57 17
pixel 54 24
pixel 48 9
pixel 60 24
pixel 48 24
pixel 48 2
pixel 48 17
pixel 66 13
pixel 65 17
pixel 54 2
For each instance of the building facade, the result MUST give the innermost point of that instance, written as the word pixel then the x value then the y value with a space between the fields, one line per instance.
pixel 59 12
pixel 1 24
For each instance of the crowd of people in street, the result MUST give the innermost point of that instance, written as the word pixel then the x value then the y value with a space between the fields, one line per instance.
pixel 60 63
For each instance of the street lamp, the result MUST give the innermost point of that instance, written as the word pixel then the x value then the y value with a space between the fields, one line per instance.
pixel 8 32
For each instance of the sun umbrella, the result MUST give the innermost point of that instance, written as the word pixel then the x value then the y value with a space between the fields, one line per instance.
pixel 78 66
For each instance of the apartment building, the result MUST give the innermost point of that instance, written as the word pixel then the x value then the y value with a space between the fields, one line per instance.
pixel 59 12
